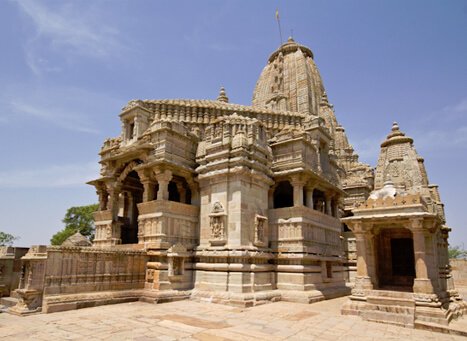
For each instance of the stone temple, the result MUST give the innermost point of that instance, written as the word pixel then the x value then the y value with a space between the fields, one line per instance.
pixel 209 200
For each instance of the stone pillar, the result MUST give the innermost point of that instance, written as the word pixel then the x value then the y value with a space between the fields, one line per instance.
pixel 148 194
pixel 365 273
pixel 163 180
pixel 103 197
pixel 328 198
pixel 297 191
pixel 114 192
pixel 362 269
pixel 309 196
pixel 422 282
pixel 148 182
pixel 182 191
pixel 194 189
pixel 271 197
pixel 335 207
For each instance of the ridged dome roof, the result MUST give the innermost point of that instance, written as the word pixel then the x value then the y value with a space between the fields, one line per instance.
pixel 290 81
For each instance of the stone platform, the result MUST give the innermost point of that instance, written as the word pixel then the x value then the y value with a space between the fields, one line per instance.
pixel 191 320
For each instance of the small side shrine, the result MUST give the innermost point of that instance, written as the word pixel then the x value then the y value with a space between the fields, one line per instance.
pixel 403 273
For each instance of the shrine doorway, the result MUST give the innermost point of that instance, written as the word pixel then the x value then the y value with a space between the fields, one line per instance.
pixel 396 261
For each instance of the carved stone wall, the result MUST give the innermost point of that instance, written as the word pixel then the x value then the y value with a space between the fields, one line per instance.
pixel 163 223
pixel 10 268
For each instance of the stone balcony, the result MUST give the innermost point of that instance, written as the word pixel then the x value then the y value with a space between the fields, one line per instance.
pixel 302 229
pixel 163 223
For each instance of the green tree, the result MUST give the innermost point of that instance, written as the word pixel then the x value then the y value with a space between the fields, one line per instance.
pixel 456 252
pixel 7 239
pixel 77 218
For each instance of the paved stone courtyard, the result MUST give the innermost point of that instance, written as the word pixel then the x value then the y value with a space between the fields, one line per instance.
pixel 190 320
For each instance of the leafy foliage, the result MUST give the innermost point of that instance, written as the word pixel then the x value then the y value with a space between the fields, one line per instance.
pixel 7 239
pixel 77 218
pixel 457 252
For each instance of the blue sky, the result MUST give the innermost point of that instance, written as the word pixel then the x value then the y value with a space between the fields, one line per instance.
pixel 67 68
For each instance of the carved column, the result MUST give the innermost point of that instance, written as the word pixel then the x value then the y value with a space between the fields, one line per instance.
pixel 148 183
pixel 194 188
pixel 271 197
pixel 103 197
pixel 297 184
pixel 363 280
pixel 328 198
pixel 335 207
pixel 182 191
pixel 163 180
pixel 309 196
pixel 114 192
pixel 422 282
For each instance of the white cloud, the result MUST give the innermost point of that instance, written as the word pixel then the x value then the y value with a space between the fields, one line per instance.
pixel 67 29
pixel 70 175
pixel 55 116
pixel 65 107
pixel 441 138
pixel 460 107
pixel 367 149
pixel 444 129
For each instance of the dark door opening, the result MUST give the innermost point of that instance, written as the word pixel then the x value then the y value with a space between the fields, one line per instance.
pixel 396 260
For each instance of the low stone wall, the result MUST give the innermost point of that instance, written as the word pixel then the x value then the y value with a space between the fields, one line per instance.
pixel 73 270
pixel 63 278
pixel 10 268
pixel 459 272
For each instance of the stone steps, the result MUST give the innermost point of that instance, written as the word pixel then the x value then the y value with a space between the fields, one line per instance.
pixel 8 301
pixel 394 309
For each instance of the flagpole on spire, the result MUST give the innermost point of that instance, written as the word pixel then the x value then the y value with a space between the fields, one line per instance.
pixel 279 24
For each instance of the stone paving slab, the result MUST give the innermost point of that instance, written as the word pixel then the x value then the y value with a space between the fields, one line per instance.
pixel 191 320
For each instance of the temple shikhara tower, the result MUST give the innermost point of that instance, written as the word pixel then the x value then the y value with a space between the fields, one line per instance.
pixel 209 200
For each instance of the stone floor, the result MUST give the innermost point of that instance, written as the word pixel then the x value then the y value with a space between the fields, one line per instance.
pixel 190 320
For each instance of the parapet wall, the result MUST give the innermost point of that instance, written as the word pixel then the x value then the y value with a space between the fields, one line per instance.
pixel 62 278
pixel 10 268
pixel 73 270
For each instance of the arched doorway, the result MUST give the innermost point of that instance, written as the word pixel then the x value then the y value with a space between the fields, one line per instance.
pixel 130 197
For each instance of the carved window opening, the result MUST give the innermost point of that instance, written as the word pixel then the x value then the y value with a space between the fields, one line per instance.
pixel 131 130
pixel 283 195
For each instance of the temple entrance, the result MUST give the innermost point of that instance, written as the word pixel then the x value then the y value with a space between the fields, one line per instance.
pixel 396 262
pixel 130 197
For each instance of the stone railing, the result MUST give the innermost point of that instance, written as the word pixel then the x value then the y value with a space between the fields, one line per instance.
pixel 72 270
pixel 163 223
pixel 302 229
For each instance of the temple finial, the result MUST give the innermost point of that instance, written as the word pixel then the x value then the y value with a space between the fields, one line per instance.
pixel 222 96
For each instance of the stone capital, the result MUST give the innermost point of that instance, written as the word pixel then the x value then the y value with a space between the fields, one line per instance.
pixel 164 176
